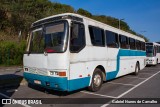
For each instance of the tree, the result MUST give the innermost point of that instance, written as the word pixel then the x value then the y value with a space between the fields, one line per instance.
pixel 62 8
pixel 18 15
pixel 84 12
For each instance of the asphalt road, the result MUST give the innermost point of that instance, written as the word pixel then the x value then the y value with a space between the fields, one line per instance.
pixel 145 85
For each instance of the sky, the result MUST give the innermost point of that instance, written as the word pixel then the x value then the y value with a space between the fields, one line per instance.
pixel 143 16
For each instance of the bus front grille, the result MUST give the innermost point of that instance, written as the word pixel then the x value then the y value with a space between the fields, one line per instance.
pixel 38 71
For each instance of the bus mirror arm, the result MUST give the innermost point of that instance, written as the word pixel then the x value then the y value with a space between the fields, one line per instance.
pixel 72 24
pixel 45 53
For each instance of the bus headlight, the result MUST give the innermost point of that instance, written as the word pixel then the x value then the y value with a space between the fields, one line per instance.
pixel 26 69
pixel 56 73
pixel 151 60
pixel 51 72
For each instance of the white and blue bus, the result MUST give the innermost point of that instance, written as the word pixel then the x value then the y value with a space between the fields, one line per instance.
pixel 67 52
pixel 153 53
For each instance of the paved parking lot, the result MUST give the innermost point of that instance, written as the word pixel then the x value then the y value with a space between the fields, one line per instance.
pixel 145 85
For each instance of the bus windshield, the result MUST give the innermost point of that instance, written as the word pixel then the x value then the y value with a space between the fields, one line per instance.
pixel 149 51
pixel 50 38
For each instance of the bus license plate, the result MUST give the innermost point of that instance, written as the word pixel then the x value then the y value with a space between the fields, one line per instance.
pixel 37 82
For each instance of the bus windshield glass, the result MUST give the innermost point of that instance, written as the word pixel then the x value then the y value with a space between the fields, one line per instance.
pixel 50 38
pixel 149 51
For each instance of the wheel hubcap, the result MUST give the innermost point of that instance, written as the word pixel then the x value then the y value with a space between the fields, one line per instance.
pixel 97 80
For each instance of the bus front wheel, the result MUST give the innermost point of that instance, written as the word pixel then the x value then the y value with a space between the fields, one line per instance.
pixel 97 80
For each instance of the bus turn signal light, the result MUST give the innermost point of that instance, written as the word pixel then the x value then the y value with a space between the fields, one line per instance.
pixel 62 74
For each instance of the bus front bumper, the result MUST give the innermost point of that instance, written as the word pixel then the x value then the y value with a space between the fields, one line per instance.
pixel 150 63
pixel 55 83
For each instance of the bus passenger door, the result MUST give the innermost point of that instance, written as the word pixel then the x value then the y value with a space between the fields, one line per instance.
pixel 78 56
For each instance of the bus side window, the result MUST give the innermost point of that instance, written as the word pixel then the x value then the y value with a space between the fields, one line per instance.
pixel 112 39
pixel 155 50
pixel 97 36
pixel 123 42
pixel 77 38
pixel 138 45
pixel 143 47
pixel 132 43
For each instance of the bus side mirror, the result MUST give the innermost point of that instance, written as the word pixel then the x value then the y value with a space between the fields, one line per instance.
pixel 28 52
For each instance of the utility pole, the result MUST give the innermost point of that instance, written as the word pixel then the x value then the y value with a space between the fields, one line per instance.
pixel 120 23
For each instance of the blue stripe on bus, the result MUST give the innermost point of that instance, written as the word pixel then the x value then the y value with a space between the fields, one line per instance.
pixel 113 74
pixel 78 83
pixel 62 82
pixel 54 81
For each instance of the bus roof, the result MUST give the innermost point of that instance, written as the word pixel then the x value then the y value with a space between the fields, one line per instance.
pixel 153 43
pixel 86 18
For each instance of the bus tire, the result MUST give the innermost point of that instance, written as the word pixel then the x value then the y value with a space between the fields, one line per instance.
pixel 137 69
pixel 97 80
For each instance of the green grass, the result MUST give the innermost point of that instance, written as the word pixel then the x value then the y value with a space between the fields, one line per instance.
pixel 11 53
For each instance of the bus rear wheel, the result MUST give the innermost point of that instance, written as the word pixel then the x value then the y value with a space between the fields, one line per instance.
pixel 97 80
